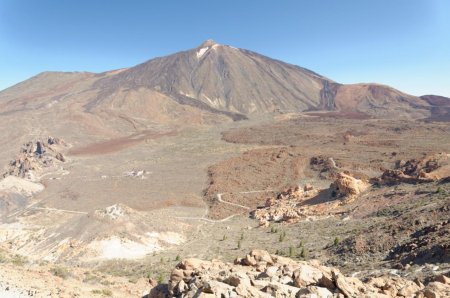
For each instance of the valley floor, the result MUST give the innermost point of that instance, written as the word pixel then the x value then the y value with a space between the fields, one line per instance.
pixel 189 195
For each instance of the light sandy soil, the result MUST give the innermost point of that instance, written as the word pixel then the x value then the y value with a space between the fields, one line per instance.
pixel 17 281
pixel 22 186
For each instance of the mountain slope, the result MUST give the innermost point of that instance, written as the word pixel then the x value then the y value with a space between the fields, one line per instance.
pixel 225 78
pixel 209 84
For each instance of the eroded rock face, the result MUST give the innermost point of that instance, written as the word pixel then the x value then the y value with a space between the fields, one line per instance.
pixel 260 274
pixel 429 169
pixel 36 156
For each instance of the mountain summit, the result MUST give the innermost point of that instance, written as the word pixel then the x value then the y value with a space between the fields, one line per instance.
pixel 211 81
pixel 208 43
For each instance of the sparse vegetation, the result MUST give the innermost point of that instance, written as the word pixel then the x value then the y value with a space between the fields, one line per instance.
pixel 109 283
pixel 160 278
pixel 3 258
pixel 440 191
pixel 90 278
pixel 336 241
pixel 291 251
pixel 104 292
pixel 304 253
pixel 282 236
pixel 19 260
pixel 279 252
pixel 178 258
pixel 60 272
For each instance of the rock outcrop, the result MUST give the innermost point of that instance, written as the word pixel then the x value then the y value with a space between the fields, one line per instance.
pixel 35 157
pixel 260 274
pixel 287 206
pixel 431 168
pixel 348 187
pixel 298 203
pixel 326 166
pixel 430 244
pixel 113 212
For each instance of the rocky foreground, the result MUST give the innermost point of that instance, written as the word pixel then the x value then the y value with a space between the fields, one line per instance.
pixel 260 274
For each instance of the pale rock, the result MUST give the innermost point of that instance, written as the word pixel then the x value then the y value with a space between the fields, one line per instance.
pixel 306 275
pixel 271 271
pixel 443 279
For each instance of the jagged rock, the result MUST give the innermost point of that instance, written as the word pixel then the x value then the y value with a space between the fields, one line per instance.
pixel 261 256
pixel 292 205
pixel 326 166
pixel 197 278
pixel 443 279
pixel 436 290
pixel 315 292
pixel 159 291
pixel 36 157
pixel 428 169
pixel 60 157
pixel 306 275
pixel 285 207
pixel 55 141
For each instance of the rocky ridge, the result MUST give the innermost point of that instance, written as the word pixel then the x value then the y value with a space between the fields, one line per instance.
pixel 36 157
pixel 260 274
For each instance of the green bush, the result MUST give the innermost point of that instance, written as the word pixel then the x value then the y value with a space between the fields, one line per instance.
pixel 440 191
pixel 160 278
pixel 291 251
pixel 282 236
pixel 304 253
pixel 336 241
pixel 107 292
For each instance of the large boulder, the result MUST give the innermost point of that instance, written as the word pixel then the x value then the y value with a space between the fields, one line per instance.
pixel 348 187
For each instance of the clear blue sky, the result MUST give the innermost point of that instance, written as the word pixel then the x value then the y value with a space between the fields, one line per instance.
pixel 402 43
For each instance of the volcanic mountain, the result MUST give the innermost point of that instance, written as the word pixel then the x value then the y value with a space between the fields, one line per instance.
pixel 208 84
